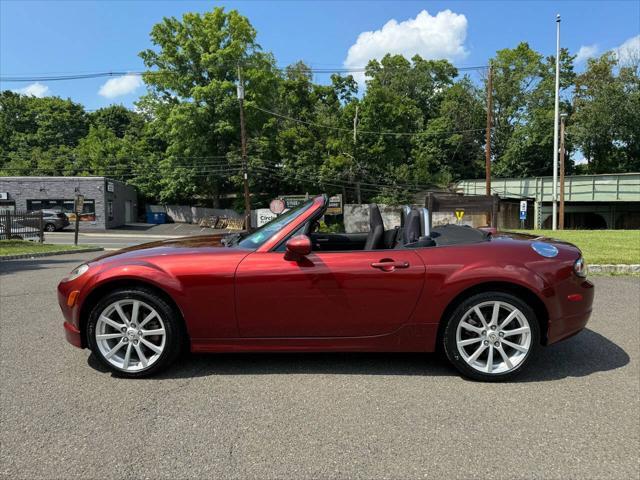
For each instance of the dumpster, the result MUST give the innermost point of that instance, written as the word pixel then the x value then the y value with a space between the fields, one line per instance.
pixel 156 217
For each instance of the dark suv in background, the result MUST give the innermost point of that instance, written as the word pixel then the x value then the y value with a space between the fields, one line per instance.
pixel 52 221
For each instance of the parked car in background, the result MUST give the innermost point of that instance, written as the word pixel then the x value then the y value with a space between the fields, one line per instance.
pixel 52 221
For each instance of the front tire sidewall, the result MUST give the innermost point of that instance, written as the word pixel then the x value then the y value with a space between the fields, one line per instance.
pixel 451 347
pixel 171 325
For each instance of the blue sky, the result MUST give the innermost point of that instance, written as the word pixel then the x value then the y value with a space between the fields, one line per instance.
pixel 42 37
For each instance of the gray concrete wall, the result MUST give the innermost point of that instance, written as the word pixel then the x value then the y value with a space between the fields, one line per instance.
pixel 186 214
pixel 356 218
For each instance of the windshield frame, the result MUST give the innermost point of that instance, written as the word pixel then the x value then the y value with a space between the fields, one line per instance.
pixel 308 208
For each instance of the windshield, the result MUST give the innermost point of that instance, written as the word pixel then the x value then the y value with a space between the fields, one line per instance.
pixel 268 230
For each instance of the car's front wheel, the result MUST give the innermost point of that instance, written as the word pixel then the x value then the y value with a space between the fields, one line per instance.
pixel 134 332
pixel 491 336
pixel 50 227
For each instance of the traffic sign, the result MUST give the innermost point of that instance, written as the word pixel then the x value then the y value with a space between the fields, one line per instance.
pixel 277 206
pixel 459 214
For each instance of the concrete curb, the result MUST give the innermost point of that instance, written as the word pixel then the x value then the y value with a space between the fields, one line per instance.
pixel 49 254
pixel 610 268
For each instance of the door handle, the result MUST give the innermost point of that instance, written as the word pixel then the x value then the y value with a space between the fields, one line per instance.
pixel 389 266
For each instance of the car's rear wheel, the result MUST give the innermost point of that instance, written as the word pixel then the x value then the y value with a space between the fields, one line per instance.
pixel 50 227
pixel 134 332
pixel 491 336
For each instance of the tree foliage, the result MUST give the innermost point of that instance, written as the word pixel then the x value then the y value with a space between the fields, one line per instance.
pixel 418 122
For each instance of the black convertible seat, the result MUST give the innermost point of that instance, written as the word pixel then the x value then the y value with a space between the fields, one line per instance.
pixel 375 238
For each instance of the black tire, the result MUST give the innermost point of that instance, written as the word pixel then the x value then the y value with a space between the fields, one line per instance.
pixel 451 348
pixel 49 227
pixel 174 331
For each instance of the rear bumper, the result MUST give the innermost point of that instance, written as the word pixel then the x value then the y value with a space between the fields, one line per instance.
pixel 572 315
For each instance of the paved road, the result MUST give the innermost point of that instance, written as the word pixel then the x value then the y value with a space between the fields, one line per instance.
pixel 573 415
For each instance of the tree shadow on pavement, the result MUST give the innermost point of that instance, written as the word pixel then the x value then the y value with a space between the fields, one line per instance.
pixel 13 266
pixel 585 354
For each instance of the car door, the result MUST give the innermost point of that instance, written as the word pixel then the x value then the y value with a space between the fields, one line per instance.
pixel 327 294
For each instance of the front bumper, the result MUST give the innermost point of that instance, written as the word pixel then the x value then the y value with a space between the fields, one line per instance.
pixel 71 314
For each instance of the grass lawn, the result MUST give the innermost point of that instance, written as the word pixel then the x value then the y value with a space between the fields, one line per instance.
pixel 19 247
pixel 600 246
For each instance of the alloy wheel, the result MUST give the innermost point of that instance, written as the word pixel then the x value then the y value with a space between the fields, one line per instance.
pixel 130 335
pixel 493 337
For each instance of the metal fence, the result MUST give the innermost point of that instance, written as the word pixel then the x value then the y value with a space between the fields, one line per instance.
pixel 21 226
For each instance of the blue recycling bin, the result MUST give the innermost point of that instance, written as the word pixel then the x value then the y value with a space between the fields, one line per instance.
pixel 157 218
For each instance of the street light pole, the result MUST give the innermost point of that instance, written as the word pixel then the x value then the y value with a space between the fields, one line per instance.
pixel 243 142
pixel 562 155
pixel 555 128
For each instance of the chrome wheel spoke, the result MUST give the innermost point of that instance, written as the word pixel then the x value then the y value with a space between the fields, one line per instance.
pixel 505 358
pixel 127 356
pixel 157 331
pixel 468 326
pixel 143 359
pixel 121 314
pixel 507 320
pixel 151 346
pixel 470 341
pixel 477 353
pixel 114 350
pixel 149 317
pixel 520 348
pixel 495 313
pixel 490 359
pixel 517 331
pixel 108 336
pixel 480 317
pixel 134 312
pixel 112 323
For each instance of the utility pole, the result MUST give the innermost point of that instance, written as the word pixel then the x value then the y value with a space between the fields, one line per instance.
pixel 243 141
pixel 355 141
pixel 555 129
pixel 562 154
pixel 487 146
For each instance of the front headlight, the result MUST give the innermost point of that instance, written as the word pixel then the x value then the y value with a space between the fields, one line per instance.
pixel 580 268
pixel 76 272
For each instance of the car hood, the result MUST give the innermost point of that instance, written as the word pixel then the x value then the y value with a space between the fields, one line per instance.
pixel 178 246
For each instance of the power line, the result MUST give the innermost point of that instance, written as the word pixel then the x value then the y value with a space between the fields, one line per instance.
pixel 120 73
pixel 366 132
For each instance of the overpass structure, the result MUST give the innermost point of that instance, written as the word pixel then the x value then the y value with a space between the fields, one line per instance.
pixel 591 201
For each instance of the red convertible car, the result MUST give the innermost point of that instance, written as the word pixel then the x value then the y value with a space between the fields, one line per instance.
pixel 487 300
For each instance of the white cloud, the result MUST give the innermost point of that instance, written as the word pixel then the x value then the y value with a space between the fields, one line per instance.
pixel 629 51
pixel 432 37
pixel 116 87
pixel 34 90
pixel 586 52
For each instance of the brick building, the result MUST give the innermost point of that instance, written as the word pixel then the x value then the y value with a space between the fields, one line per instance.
pixel 108 203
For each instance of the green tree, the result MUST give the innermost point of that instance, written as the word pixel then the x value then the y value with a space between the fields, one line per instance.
pixel 192 97
pixel 606 123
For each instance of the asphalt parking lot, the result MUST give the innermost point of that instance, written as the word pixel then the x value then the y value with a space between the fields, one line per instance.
pixel 573 414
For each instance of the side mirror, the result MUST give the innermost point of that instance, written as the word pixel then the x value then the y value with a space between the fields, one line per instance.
pixel 297 248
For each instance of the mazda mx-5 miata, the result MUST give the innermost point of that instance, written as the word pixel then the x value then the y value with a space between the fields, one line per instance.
pixel 487 300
